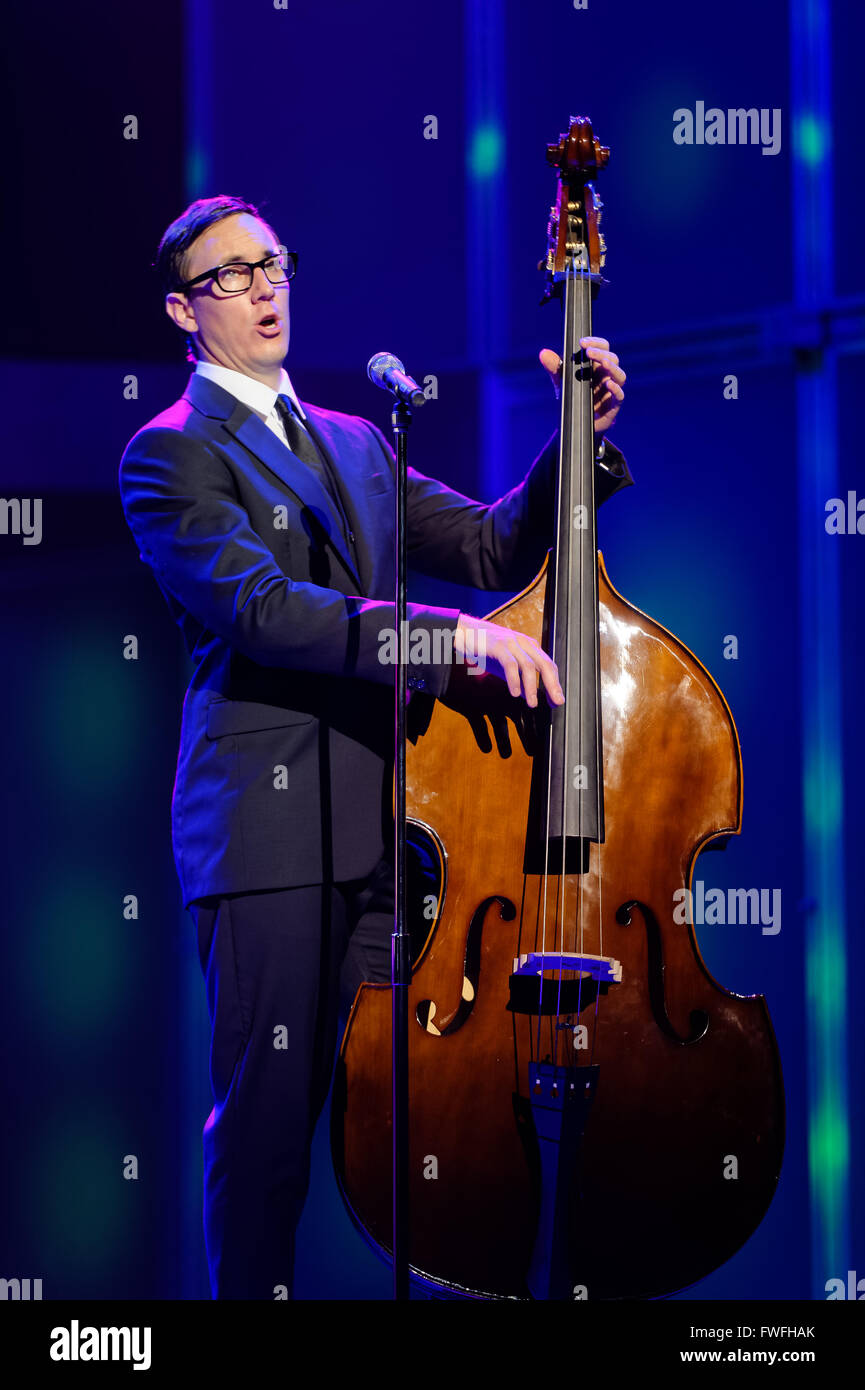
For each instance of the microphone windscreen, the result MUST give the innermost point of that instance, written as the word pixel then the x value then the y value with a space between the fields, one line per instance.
pixel 382 362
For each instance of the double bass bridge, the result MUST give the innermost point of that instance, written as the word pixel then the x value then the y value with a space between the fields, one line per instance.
pixel 538 984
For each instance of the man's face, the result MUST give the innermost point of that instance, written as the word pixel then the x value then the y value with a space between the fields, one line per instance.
pixel 229 329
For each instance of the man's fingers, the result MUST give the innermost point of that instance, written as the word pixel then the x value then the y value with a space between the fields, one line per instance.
pixel 607 394
pixel 604 390
pixel 522 661
pixel 550 361
pixel 608 365
pixel 520 670
pixel 605 364
pixel 524 665
pixel 511 668
pixel 552 684
pixel 531 678
pixel 543 669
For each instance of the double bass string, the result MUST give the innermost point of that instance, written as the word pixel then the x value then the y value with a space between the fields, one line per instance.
pixel 584 408
pixel 576 417
pixel 567 412
pixel 587 477
pixel 573 286
pixel 572 403
pixel 581 417
pixel 599 743
pixel 560 483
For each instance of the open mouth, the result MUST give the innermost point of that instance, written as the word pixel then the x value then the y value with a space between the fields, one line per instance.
pixel 269 324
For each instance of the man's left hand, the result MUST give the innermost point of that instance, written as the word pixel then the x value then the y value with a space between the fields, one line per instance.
pixel 607 379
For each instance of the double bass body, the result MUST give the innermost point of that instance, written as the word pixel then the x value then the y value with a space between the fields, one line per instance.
pixel 681 1148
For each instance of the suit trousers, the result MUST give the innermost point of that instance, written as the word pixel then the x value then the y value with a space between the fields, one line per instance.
pixel 281 967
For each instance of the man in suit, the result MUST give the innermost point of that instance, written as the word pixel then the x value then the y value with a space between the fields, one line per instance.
pixel 269 526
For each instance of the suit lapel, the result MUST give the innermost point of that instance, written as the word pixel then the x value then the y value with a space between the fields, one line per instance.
pixel 350 454
pixel 251 431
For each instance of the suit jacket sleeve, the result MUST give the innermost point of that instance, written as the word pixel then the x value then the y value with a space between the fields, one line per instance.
pixel 497 545
pixel 181 506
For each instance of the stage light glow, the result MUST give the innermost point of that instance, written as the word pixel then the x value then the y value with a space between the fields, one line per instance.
pixel 811 139
pixel 79 1197
pixel 486 152
pixel 75 968
pixel 823 795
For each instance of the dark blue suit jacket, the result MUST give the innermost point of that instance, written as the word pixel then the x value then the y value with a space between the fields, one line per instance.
pixel 284 774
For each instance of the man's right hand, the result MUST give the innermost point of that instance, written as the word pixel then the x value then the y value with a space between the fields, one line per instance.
pixel 512 656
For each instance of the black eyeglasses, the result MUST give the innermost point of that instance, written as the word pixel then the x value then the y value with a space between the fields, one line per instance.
pixel 235 277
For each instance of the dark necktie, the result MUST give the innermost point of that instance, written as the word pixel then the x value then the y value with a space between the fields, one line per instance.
pixel 302 444
pixel 299 440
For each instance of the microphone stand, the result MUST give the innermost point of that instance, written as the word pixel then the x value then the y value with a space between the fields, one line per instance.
pixel 400 940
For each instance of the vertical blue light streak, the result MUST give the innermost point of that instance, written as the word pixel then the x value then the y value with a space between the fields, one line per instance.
pixel 198 92
pixel 820 655
pixel 486 248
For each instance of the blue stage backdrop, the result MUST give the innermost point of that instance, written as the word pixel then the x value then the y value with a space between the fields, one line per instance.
pixel 401 151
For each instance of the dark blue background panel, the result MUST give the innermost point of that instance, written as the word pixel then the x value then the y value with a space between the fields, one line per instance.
pixel 692 230
pixel 81 200
pixel 324 129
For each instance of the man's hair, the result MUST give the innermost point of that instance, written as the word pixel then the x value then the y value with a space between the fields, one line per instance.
pixel 171 258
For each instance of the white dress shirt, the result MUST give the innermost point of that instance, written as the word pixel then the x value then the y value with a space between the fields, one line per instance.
pixel 255 394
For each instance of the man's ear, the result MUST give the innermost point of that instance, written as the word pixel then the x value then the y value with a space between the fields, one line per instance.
pixel 179 309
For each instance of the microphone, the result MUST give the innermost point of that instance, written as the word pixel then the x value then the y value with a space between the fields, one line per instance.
pixel 386 371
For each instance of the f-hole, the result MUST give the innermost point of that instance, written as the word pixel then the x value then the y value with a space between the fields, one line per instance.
pixel 426 1011
pixel 699 1019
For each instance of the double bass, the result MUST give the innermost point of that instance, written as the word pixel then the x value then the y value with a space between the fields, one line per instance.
pixel 592 1115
